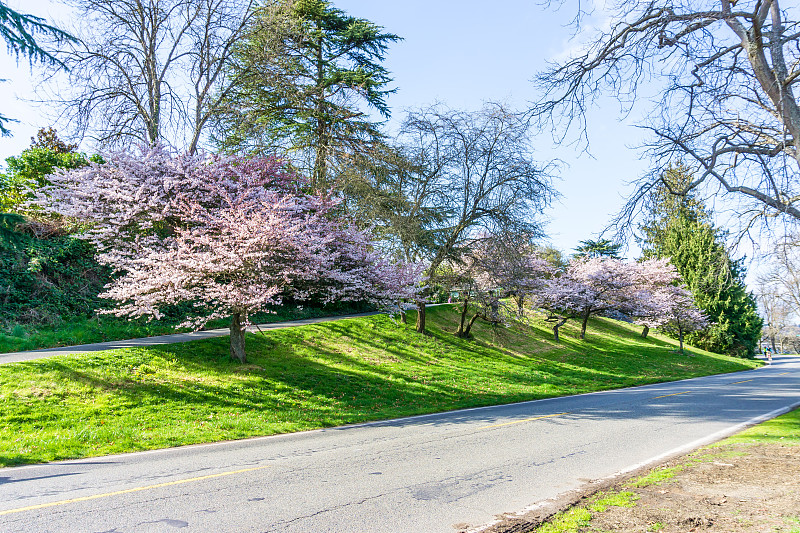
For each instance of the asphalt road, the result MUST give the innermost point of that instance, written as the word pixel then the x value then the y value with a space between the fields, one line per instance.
pixel 423 474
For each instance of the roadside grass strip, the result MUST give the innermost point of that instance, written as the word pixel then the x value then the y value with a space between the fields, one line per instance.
pixel 783 430
pixel 573 520
pixel 315 376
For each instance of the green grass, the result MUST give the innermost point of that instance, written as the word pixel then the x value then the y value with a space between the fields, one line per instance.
pixel 567 522
pixel 783 430
pixel 655 477
pixel 75 331
pixel 615 499
pixel 310 377
pixel 576 518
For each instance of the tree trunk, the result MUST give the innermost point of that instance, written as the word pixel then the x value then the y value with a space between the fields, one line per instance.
pixel 237 337
pixel 680 340
pixel 420 318
pixel 520 305
pixel 645 331
pixel 403 317
pixel 465 334
pixel 460 330
pixel 585 322
pixel 772 341
pixel 558 325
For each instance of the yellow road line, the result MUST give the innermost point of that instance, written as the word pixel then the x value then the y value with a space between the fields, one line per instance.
pixel 783 374
pixel 521 421
pixel 668 395
pixel 745 381
pixel 127 491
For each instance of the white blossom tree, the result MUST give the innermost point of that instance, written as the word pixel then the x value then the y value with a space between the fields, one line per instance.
pixel 680 314
pixel 589 287
pixel 654 277
pixel 231 236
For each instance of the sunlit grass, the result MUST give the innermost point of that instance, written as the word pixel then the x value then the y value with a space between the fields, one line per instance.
pixel 310 377
pixel 783 430
pixel 75 331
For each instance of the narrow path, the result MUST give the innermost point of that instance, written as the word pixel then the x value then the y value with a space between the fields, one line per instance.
pixel 13 357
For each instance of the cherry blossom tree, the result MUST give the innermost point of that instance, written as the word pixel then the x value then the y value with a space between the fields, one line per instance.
pixel 653 276
pixel 495 267
pixel 679 313
pixel 231 236
pixel 586 288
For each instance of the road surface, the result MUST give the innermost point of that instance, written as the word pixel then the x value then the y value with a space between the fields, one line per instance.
pixel 435 473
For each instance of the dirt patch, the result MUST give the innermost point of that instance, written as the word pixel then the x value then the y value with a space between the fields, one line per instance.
pixel 732 488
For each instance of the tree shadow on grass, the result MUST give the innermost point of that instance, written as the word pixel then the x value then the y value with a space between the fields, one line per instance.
pixel 305 377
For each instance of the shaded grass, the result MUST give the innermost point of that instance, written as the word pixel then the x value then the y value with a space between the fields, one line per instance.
pixel 310 377
pixel 76 330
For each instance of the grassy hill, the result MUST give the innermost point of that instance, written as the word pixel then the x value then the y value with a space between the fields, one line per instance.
pixel 314 376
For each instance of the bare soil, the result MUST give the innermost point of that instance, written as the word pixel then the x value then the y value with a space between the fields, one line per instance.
pixel 730 488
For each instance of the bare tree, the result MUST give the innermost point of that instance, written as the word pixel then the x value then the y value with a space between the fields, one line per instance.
pixel 774 308
pixel 779 290
pixel 470 174
pixel 728 71
pixel 149 71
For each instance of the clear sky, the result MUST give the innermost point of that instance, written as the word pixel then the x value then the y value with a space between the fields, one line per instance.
pixel 461 53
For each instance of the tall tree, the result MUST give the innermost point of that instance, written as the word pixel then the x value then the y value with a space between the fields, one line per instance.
pixel 463 176
pixel 309 74
pixel 19 31
pixel 151 71
pixel 727 72
pixel 775 308
pixel 598 248
pixel 680 228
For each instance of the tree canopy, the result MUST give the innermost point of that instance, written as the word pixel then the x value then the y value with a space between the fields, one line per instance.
pixel 680 228
pixel 148 72
pixel 19 31
pixel 309 75
pixel 227 235
pixel 726 72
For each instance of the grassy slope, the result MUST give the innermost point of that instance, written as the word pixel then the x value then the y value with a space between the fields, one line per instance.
pixel 77 331
pixel 313 376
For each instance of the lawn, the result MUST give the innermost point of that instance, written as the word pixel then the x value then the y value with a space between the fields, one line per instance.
pixel 314 376
pixel 101 328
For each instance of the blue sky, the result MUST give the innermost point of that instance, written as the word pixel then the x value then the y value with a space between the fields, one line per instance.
pixel 460 53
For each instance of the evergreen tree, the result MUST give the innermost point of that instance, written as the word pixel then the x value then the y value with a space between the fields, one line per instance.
pixel 589 249
pixel 309 75
pixel 18 30
pixel 680 228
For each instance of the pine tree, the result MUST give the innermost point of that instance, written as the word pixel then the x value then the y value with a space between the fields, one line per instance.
pixel 309 75
pixel 680 228
pixel 18 30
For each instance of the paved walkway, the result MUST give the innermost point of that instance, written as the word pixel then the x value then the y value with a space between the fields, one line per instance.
pixel 14 357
